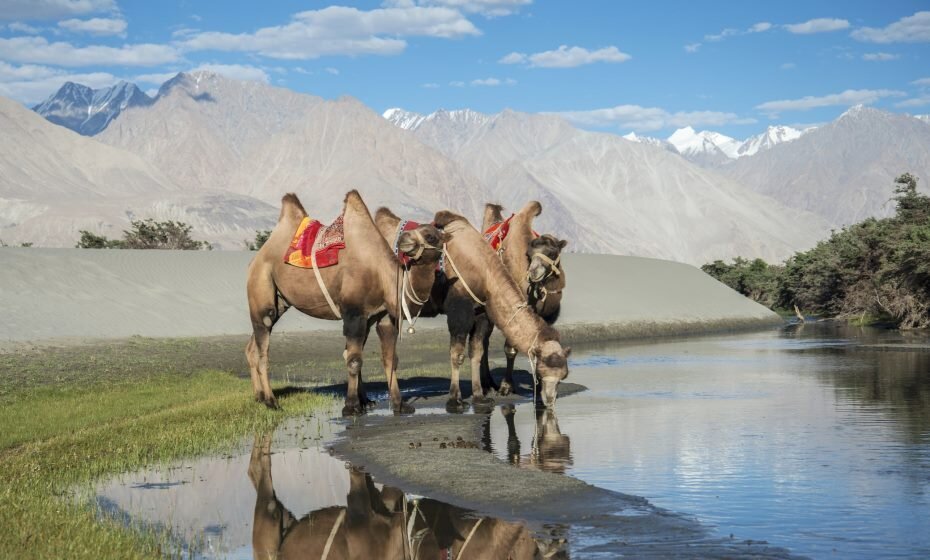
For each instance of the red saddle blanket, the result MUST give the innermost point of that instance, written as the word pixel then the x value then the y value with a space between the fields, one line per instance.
pixel 498 231
pixel 312 237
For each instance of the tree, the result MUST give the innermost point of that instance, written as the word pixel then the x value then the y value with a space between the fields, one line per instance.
pixel 149 234
pixel 261 236
pixel 93 241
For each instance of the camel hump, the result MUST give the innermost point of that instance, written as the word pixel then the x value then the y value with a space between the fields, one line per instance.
pixel 533 208
pixel 385 213
pixel 445 217
pixel 291 206
pixel 353 202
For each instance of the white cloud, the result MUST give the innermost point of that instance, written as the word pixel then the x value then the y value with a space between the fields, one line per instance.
pixel 566 57
pixel 760 27
pixel 52 9
pixel 817 25
pixel 95 26
pixel 492 82
pixel 430 85
pixel 910 29
pixel 635 117
pixel 788 66
pixel 692 48
pixel 333 71
pixel 513 58
pixel 487 8
pixel 457 84
pixel 39 50
pixel 32 84
pixel 880 57
pixel 922 82
pixel 730 32
pixel 847 98
pixel 157 78
pixel 338 30
pixel 21 27
pixel 914 102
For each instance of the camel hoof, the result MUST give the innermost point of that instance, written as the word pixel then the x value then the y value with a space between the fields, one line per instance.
pixel 505 389
pixel 355 408
pixel 484 406
pixel 404 408
pixel 272 403
pixel 456 406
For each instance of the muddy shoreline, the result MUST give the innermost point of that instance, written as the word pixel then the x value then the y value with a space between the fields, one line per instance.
pixel 417 453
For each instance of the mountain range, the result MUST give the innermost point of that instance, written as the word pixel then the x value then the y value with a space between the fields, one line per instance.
pixel 218 153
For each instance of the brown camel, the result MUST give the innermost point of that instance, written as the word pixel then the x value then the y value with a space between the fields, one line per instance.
pixel 534 262
pixel 477 280
pixel 381 524
pixel 365 286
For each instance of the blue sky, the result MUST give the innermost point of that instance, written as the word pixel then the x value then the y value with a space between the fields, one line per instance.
pixel 734 67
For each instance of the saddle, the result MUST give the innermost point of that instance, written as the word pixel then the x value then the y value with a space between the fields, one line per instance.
pixel 312 241
pixel 497 232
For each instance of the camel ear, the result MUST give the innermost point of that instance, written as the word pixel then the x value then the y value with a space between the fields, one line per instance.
pixel 445 238
pixel 445 217
pixel 533 208
pixel 568 351
pixel 562 244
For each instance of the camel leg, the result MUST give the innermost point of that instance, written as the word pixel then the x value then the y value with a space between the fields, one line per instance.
pixel 355 329
pixel 507 385
pixel 265 308
pixel 487 381
pixel 476 350
pixel 460 317
pixel 387 333
pixel 271 518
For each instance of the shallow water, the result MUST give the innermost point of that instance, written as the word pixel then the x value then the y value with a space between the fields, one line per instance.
pixel 815 438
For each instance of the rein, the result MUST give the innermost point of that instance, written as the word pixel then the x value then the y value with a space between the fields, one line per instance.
pixel 461 278
pixel 319 277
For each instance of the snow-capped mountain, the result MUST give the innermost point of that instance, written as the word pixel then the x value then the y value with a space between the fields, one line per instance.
pixel 649 140
pixel 772 136
pixel 842 170
pixel 88 111
pixel 925 118
pixel 704 148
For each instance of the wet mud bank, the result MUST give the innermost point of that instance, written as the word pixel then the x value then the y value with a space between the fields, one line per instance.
pixel 447 457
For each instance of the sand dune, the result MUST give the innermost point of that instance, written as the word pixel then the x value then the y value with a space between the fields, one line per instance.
pixel 85 294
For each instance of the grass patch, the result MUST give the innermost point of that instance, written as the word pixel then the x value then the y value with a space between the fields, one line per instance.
pixel 59 436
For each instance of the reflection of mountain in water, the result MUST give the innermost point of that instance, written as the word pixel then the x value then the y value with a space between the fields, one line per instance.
pixel 383 523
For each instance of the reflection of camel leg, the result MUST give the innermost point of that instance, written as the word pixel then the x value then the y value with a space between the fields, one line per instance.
pixel 513 442
pixel 476 350
pixel 271 518
pixel 387 333
pixel 507 384
pixel 355 329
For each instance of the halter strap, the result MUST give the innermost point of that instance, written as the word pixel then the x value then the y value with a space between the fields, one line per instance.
pixel 461 278
pixel 319 277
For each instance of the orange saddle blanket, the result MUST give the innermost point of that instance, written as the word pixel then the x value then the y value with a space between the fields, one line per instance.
pixel 312 238
pixel 498 231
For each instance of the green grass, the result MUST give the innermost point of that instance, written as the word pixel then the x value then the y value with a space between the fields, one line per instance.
pixel 57 437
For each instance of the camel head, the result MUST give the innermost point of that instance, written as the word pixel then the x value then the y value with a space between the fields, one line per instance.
pixel 551 362
pixel 423 244
pixel 544 254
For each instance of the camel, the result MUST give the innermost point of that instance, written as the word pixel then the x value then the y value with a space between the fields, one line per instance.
pixel 366 288
pixel 551 450
pixel 474 278
pixel 382 524
pixel 534 262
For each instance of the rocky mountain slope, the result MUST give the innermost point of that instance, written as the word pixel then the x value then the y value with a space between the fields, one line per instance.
pixel 88 111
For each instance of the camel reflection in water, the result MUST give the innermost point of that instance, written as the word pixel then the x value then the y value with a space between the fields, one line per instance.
pixel 381 524
pixel 551 449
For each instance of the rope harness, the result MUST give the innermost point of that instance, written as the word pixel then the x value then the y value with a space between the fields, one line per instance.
pixel 406 290
pixel 461 278
pixel 536 290
pixel 319 277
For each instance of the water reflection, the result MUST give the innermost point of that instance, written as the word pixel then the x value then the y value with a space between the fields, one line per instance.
pixel 385 523
pixel 550 451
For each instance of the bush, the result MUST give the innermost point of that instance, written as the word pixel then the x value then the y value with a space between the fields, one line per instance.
pixel 261 236
pixel 878 267
pixel 146 234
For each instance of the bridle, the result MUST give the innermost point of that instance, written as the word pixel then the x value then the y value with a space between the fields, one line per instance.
pixel 536 289
pixel 406 290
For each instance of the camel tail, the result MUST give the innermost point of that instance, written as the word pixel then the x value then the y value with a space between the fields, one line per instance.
pixel 291 207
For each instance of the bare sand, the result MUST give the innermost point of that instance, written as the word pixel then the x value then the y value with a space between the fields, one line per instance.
pixel 79 294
